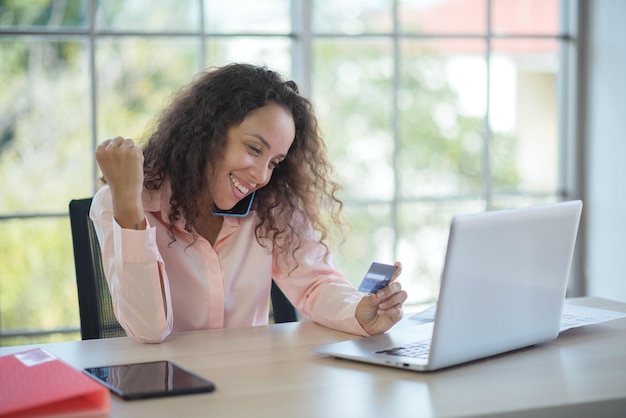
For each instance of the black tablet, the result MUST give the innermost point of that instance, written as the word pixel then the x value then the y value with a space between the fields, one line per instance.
pixel 150 380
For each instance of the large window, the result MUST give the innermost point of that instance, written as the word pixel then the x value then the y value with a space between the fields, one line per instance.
pixel 429 109
pixel 435 108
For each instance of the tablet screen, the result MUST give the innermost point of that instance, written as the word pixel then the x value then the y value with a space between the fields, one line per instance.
pixel 150 380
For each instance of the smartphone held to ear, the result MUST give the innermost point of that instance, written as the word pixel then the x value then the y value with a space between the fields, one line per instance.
pixel 241 209
pixel 378 276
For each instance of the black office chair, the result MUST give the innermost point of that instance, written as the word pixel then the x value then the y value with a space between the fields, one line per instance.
pixel 97 319
pixel 281 310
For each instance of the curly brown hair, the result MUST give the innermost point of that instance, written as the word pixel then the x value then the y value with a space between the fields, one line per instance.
pixel 190 137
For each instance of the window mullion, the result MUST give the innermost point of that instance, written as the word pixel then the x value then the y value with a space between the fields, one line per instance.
pixel 487 124
pixel 302 46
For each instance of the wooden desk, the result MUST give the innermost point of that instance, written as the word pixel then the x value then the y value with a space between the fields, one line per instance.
pixel 270 372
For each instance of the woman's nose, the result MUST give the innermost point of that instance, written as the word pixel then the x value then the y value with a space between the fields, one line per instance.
pixel 261 173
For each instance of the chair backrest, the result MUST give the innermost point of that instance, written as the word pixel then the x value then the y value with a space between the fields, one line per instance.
pixel 281 310
pixel 97 319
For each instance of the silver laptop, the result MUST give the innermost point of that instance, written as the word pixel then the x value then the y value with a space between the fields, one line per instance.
pixel 503 286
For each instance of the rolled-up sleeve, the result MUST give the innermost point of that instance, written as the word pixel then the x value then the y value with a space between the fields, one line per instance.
pixel 135 273
pixel 318 289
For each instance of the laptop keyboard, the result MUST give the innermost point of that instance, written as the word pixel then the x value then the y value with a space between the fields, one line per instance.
pixel 419 349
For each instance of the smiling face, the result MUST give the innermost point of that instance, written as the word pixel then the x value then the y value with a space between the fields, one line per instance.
pixel 253 149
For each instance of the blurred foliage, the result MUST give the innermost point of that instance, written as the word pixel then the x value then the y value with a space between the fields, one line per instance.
pixel 48 13
pixel 434 157
pixel 37 281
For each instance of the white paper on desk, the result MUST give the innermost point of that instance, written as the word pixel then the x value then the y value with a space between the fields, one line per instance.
pixel 573 316
pixel 577 316
pixel 425 316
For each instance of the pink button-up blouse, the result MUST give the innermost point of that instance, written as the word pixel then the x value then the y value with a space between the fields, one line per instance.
pixel 159 286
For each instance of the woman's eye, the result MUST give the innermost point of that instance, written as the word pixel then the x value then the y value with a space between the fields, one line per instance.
pixel 254 149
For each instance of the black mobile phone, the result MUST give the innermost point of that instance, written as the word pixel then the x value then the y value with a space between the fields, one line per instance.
pixel 378 276
pixel 242 208
pixel 150 380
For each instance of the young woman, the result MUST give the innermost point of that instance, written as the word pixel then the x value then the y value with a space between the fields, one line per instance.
pixel 231 189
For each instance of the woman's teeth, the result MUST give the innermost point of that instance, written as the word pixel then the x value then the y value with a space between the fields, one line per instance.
pixel 239 186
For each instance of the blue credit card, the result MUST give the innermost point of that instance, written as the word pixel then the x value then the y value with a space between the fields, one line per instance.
pixel 378 276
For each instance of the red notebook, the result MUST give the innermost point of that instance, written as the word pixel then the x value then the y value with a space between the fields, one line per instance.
pixel 35 383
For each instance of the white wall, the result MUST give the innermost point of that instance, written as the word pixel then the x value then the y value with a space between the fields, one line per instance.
pixel 605 143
